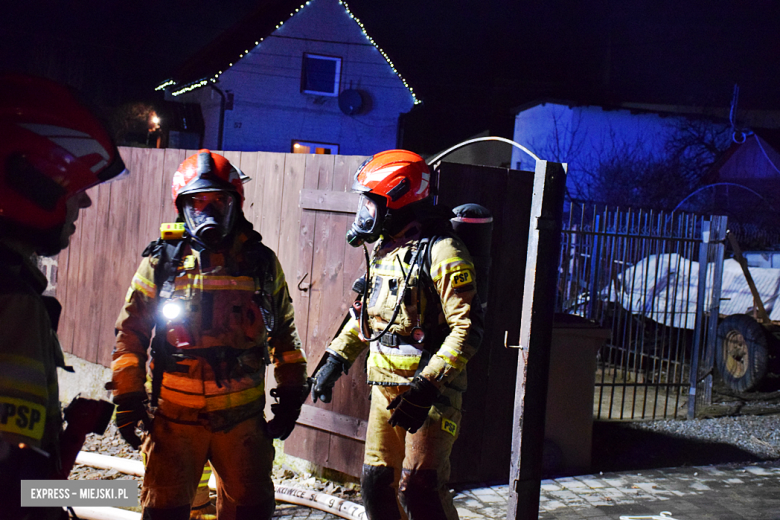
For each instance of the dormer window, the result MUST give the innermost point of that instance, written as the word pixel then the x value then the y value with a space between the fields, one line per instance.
pixel 320 75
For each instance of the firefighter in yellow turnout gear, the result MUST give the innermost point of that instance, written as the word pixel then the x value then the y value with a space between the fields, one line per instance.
pixel 421 319
pixel 222 311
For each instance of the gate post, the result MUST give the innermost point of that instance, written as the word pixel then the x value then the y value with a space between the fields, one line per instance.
pixel 712 248
pixel 539 295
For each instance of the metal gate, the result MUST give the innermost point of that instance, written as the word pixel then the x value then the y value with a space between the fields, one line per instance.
pixel 641 274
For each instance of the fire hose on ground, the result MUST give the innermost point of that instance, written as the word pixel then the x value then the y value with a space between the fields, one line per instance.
pixel 290 494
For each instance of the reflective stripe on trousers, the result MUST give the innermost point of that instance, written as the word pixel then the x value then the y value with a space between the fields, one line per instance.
pixel 242 459
pixel 420 462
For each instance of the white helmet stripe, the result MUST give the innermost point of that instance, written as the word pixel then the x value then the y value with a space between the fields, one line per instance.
pixel 52 131
pixel 426 177
pixel 77 143
pixel 383 172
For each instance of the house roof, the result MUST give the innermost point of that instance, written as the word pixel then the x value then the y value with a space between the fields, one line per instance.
pixel 769 136
pixel 228 48
pixel 634 108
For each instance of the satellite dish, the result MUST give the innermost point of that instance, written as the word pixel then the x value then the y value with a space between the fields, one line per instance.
pixel 350 102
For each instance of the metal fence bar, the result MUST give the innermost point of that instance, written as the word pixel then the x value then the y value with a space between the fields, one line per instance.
pixel 631 270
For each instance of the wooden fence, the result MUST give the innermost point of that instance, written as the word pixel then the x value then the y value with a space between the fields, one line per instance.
pixel 302 206
pixel 94 273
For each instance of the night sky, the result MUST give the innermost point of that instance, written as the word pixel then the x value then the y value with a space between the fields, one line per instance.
pixel 470 61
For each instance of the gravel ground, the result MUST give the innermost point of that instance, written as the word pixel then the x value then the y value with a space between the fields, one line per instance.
pixel 617 446
pixel 737 429
pixel 758 435
pixel 111 443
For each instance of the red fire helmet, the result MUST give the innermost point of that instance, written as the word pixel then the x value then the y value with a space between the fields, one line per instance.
pixel 401 176
pixel 207 171
pixel 52 148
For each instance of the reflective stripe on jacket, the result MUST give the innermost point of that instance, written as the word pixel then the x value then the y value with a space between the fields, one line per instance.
pixel 452 277
pixel 29 356
pixel 217 293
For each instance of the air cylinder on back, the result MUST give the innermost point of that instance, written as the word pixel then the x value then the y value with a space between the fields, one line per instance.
pixel 474 225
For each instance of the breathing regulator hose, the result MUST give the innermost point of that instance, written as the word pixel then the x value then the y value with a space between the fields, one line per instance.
pixel 364 331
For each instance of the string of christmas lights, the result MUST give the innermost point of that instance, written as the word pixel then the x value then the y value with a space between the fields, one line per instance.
pixel 205 81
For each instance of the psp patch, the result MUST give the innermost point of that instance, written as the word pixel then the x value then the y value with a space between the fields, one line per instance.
pixel 461 278
pixel 22 417
pixel 449 426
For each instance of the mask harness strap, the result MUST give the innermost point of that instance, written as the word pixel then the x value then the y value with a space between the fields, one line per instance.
pixel 160 346
pixel 364 329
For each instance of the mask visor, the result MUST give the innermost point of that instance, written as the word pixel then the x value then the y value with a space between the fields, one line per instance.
pixel 209 215
pixel 368 222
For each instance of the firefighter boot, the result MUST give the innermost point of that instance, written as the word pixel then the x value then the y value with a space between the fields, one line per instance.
pixel 376 485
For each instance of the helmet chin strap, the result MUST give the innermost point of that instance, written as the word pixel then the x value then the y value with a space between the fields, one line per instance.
pixel 47 242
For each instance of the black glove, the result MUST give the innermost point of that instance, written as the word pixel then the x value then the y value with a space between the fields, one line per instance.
pixel 325 378
pixel 22 462
pixel 130 410
pixel 410 409
pixel 286 410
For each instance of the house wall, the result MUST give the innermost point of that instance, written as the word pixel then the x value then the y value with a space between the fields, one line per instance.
pixel 580 135
pixel 269 110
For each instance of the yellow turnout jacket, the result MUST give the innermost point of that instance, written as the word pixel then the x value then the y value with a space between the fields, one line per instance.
pixel 219 345
pixel 450 318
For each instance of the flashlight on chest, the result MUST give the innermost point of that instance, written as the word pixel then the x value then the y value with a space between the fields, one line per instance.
pixel 174 312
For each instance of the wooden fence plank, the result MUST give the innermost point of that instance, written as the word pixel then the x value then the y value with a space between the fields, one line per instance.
pixel 272 167
pixel 167 211
pixel 310 444
pixel 328 200
pixel 101 300
pixel 307 443
pixel 333 422
pixel 312 172
pixel 290 213
pixel 253 190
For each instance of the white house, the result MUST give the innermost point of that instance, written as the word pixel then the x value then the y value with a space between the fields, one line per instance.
pixel 294 78
pixel 584 135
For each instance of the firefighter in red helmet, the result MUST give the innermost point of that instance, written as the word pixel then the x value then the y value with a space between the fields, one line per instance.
pixel 52 150
pixel 218 303
pixel 420 317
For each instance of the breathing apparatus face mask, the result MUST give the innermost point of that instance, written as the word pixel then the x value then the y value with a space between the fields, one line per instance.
pixel 209 216
pixel 368 221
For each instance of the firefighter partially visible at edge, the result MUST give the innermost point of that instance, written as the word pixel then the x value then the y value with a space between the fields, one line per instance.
pixel 52 150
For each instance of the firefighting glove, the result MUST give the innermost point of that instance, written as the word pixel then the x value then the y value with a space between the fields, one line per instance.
pixel 325 378
pixel 286 410
pixel 410 409
pixel 131 410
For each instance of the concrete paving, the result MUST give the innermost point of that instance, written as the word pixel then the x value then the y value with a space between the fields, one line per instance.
pixel 722 492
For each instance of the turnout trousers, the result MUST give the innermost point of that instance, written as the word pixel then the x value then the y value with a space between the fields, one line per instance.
pixel 242 458
pixel 410 471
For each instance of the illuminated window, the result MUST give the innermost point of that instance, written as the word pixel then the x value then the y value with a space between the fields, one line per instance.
pixel 320 75
pixel 317 148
